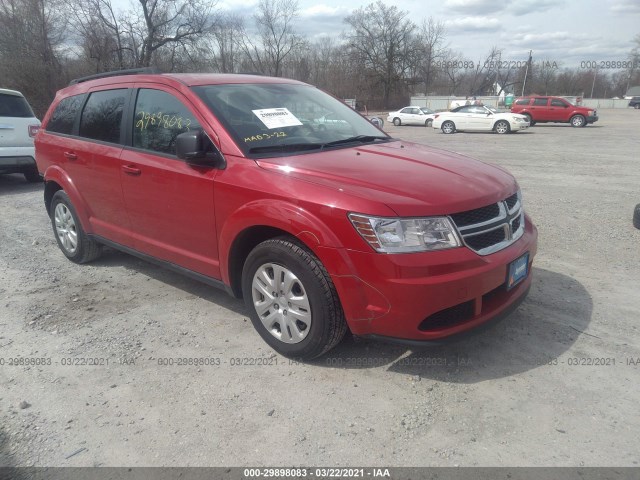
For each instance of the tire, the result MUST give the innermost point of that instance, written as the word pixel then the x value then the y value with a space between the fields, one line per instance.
pixel 428 123
pixel 531 122
pixel 397 122
pixel 32 176
pixel 318 324
pixel 636 217
pixel 448 127
pixel 578 121
pixel 637 106
pixel 502 127
pixel 72 240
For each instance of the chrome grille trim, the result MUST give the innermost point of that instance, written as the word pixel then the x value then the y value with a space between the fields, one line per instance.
pixel 504 221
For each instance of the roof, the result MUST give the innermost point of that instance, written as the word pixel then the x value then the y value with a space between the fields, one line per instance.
pixel 6 91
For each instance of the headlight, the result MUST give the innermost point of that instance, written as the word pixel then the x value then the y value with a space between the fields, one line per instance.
pixel 404 235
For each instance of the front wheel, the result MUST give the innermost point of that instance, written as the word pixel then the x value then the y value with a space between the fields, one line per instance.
pixel 397 122
pixel 72 240
pixel 502 126
pixel 448 127
pixel 291 299
pixel 531 121
pixel 578 121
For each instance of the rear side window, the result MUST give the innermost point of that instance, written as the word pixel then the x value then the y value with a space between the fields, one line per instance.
pixel 64 116
pixel 14 106
pixel 102 115
pixel 159 119
pixel 540 102
pixel 523 101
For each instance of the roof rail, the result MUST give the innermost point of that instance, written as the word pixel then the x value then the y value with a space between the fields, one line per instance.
pixel 131 71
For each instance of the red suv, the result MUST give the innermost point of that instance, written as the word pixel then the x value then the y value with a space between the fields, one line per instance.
pixel 545 109
pixel 241 182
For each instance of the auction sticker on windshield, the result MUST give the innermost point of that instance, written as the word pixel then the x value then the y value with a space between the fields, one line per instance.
pixel 277 117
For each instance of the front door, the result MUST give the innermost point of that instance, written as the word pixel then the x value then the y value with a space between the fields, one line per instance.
pixel 170 203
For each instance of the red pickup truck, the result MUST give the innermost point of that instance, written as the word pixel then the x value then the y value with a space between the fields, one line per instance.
pixel 543 109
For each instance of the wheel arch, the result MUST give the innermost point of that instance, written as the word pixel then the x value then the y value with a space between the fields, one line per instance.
pixel 57 179
pixel 256 222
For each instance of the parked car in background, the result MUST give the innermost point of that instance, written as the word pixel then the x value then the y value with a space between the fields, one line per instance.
pixel 18 127
pixel 543 109
pixel 412 116
pixel 479 118
pixel 227 179
pixel 635 102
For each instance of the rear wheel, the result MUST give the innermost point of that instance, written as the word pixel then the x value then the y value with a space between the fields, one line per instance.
pixel 448 127
pixel 637 106
pixel 397 122
pixel 428 123
pixel 72 240
pixel 578 121
pixel 502 126
pixel 291 299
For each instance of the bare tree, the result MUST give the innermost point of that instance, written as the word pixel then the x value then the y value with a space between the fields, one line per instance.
pixel 431 48
pixel 381 41
pixel 32 33
pixel 226 33
pixel 159 23
pixel 276 38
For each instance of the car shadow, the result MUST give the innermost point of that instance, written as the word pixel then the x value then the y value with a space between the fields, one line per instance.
pixel 114 258
pixel 557 311
pixel 15 183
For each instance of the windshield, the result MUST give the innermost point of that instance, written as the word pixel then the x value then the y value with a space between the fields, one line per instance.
pixel 281 119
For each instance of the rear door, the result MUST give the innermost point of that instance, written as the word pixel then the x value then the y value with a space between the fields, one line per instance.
pixel 169 202
pixel 539 109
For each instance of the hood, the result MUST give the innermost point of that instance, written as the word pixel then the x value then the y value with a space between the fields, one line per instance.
pixel 409 178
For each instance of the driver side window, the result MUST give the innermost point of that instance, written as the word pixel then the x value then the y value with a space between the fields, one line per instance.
pixel 159 119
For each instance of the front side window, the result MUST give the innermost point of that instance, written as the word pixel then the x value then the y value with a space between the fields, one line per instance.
pixel 64 116
pixel 557 103
pixel 102 115
pixel 158 120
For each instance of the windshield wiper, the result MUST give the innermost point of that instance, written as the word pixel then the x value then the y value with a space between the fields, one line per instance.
pixel 286 147
pixel 356 139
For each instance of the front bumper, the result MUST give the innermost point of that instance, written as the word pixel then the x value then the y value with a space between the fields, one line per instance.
pixel 430 296
pixel 592 119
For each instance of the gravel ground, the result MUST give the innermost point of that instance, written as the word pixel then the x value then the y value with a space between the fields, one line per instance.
pixel 555 384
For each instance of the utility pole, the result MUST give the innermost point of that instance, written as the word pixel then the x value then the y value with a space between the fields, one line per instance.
pixel 595 74
pixel 526 72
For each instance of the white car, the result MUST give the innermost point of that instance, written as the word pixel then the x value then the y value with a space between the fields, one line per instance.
pixel 412 116
pixel 479 118
pixel 18 126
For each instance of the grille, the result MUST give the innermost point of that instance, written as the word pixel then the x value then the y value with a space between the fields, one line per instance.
pixel 512 200
pixel 493 227
pixel 479 215
pixel 486 240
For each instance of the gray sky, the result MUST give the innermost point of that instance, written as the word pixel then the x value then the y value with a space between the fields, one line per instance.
pixel 567 32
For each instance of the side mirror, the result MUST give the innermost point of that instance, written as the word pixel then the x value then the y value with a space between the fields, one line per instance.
pixel 195 148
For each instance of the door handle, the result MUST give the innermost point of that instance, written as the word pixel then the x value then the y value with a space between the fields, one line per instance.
pixel 70 156
pixel 130 170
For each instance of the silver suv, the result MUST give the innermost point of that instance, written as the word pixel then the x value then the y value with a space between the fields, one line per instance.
pixel 18 126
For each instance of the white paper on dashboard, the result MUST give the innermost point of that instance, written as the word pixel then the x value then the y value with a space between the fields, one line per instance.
pixel 276 117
